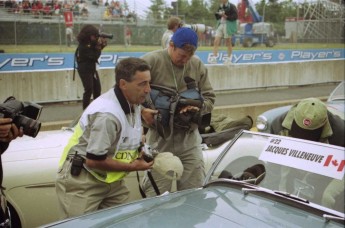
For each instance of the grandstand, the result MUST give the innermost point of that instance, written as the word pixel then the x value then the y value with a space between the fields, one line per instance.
pixel 19 28
pixel 318 21
pixel 12 10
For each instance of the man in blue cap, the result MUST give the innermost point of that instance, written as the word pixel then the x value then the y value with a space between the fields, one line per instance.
pixel 177 69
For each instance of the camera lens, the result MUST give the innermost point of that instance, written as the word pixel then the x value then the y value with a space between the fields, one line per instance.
pixel 147 158
pixel 31 127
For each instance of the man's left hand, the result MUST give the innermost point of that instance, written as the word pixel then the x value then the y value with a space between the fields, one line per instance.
pixel 189 108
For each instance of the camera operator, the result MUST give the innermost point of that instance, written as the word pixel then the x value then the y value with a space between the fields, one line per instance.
pixel 178 69
pixel 172 25
pixel 89 50
pixel 226 17
pixel 8 132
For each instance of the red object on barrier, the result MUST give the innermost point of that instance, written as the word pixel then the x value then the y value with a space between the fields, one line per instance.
pixel 68 18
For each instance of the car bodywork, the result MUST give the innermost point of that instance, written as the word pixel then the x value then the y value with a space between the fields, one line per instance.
pixel 30 166
pixel 239 192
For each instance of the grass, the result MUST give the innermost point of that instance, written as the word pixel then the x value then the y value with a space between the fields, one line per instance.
pixel 140 48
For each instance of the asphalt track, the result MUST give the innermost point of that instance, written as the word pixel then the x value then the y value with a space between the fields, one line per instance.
pixel 55 115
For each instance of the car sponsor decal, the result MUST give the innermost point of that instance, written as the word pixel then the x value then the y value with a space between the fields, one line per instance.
pixel 324 160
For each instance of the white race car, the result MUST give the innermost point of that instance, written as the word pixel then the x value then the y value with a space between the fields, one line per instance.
pixel 30 166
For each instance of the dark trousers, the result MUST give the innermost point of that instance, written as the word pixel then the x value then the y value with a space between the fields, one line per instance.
pixel 92 86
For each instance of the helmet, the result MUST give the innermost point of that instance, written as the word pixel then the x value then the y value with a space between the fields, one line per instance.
pixel 166 164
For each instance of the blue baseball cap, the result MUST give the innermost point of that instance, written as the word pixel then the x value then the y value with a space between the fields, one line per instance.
pixel 184 36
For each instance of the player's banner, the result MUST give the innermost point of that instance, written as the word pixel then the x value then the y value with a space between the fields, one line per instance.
pixel 30 62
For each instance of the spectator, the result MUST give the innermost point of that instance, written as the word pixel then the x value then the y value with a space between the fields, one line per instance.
pixel 18 8
pixel 117 10
pixel 108 14
pixel 8 4
pixel 173 24
pixel 47 11
pixel 39 6
pixel 27 6
pixel 128 36
pixel 35 10
pixel 75 9
pixel 226 26
pixel 57 9
pixel 84 12
pixel 69 35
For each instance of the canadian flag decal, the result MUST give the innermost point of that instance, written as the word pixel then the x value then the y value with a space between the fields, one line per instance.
pixel 335 163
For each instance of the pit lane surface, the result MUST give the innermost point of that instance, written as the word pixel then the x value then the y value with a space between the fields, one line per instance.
pixel 56 115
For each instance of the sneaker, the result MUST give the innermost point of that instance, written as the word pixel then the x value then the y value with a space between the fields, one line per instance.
pixel 212 60
pixel 227 61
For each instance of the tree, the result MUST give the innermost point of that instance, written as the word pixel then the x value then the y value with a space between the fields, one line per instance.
pixel 157 9
pixel 194 11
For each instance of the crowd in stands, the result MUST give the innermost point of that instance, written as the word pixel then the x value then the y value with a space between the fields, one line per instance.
pixel 114 10
pixel 50 8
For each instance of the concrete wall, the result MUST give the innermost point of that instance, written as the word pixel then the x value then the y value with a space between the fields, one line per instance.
pixel 59 85
pixel 252 76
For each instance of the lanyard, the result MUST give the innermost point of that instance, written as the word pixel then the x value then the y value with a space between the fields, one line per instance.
pixel 175 80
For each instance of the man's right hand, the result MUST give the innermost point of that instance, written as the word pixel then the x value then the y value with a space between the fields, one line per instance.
pixel 8 130
pixel 141 165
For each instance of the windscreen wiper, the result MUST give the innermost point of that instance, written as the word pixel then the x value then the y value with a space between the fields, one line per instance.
pixel 332 217
pixel 285 194
pixel 327 217
pixel 291 196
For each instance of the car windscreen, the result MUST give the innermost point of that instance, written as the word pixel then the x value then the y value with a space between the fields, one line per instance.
pixel 338 93
pixel 305 169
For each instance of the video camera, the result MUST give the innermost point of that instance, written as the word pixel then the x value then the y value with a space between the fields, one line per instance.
pixel 23 114
pixel 105 35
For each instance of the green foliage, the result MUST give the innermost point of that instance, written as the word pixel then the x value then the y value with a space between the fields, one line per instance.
pixel 202 11
pixel 156 10
pixel 140 48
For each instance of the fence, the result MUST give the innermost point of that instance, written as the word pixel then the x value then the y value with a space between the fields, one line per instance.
pixel 27 28
pixel 52 31
pixel 21 29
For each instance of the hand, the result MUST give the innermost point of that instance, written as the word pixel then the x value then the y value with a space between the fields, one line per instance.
pixel 141 165
pixel 101 43
pixel 189 108
pixel 148 115
pixel 8 130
